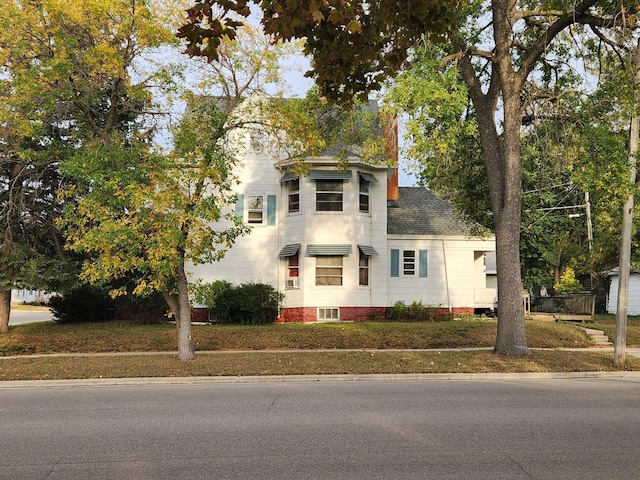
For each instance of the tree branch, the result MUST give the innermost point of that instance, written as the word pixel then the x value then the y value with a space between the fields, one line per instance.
pixel 545 39
pixel 526 14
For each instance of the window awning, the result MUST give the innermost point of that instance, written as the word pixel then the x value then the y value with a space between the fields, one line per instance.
pixel 287 176
pixel 328 250
pixel 330 175
pixel 289 250
pixel 368 177
pixel 367 250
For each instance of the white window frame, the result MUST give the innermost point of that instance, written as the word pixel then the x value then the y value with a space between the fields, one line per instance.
pixel 321 259
pixel 262 209
pixel 333 313
pixel 339 192
pixel 406 262
pixel 364 264
pixel 293 272
pixel 293 193
pixel 366 193
pixel 258 140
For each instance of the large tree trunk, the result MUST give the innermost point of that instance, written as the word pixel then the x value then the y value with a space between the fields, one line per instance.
pixel 502 161
pixel 511 338
pixel 5 308
pixel 186 347
pixel 181 309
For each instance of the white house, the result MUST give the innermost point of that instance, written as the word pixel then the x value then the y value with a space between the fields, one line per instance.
pixel 633 307
pixel 345 242
pixel 26 295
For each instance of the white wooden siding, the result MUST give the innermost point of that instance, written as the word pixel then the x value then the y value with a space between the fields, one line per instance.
pixel 634 295
pixel 254 258
pixel 453 272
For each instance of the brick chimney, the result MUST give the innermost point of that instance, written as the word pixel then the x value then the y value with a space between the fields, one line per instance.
pixel 390 132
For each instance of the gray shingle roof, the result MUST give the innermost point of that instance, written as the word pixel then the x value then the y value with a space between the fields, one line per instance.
pixel 420 212
pixel 354 150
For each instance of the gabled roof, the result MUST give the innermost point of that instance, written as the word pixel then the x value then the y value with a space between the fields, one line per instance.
pixel 420 212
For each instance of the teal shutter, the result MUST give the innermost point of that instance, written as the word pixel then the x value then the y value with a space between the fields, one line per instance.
pixel 240 206
pixel 422 266
pixel 271 209
pixel 395 263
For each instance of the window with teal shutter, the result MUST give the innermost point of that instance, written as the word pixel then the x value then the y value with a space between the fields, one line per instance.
pixel 395 263
pixel 271 210
pixel 422 263
pixel 240 206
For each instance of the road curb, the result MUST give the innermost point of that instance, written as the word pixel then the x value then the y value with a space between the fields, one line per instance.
pixel 419 377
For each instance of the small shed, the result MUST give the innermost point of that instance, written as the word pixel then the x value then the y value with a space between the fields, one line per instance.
pixel 634 292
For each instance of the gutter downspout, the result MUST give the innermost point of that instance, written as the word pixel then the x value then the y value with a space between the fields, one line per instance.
pixel 446 275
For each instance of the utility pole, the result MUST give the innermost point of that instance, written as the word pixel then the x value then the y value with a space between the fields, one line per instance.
pixel 587 206
pixel 619 352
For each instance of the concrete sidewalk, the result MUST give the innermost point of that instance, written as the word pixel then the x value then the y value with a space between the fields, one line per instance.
pixel 633 352
pixel 401 377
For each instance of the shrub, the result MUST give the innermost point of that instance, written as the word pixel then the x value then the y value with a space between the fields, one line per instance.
pixel 207 293
pixel 86 303
pixel 248 304
pixel 417 312
pixel 397 313
pixel 150 309
pixel 568 283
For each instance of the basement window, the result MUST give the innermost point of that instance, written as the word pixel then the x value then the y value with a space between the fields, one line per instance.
pixel 328 313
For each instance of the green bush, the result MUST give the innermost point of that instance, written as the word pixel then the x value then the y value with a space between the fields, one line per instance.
pixel 248 304
pixel 417 312
pixel 86 303
pixel 568 283
pixel 398 313
pixel 150 309
pixel 207 293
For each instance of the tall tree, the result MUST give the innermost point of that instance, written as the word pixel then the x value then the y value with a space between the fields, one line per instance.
pixel 142 217
pixel 144 214
pixel 497 45
pixel 31 248
pixel 66 80
pixel 443 145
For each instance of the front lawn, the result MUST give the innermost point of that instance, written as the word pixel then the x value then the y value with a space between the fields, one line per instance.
pixel 126 337
pixel 291 349
pixel 607 323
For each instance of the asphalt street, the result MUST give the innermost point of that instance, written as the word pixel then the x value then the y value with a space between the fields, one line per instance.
pixel 17 317
pixel 465 429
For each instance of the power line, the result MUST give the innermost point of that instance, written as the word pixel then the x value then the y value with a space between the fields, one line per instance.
pixel 547 188
pixel 548 209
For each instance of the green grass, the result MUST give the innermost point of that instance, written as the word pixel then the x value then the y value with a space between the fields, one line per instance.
pixel 276 349
pixel 298 363
pixel 50 337
pixel 26 307
pixel 607 323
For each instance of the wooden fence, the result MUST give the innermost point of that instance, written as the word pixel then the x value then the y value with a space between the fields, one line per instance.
pixel 569 304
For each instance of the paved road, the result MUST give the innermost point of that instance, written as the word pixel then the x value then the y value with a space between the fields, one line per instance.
pixel 17 317
pixel 491 429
